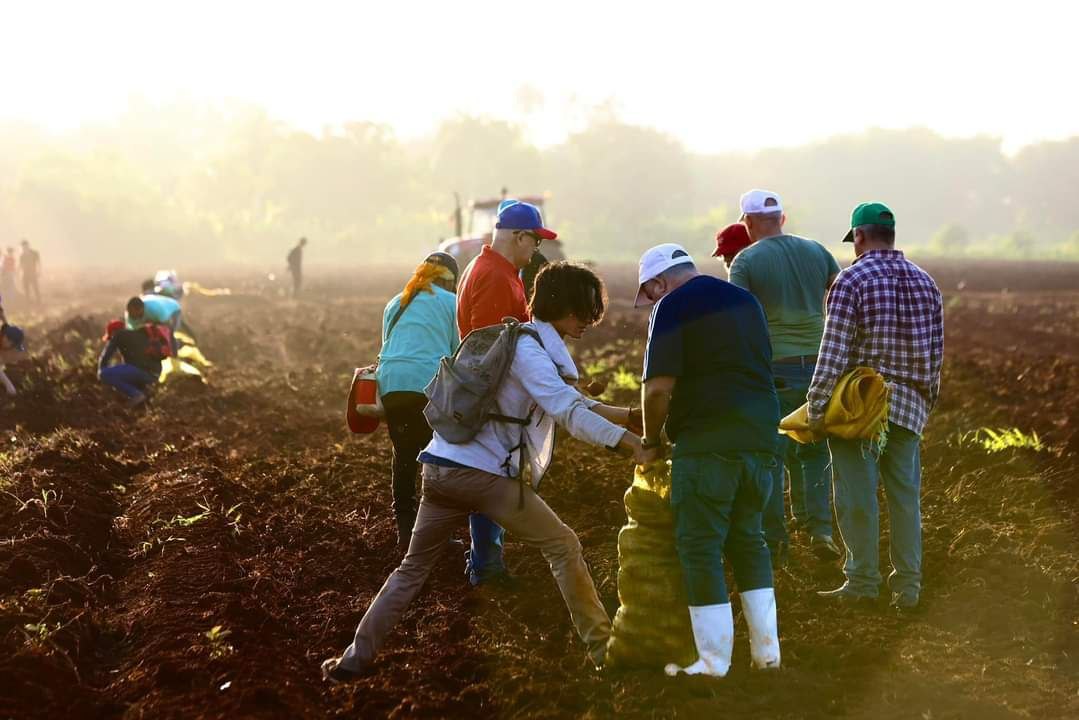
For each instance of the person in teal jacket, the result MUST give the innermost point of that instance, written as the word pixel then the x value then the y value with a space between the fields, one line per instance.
pixel 419 328
pixel 149 308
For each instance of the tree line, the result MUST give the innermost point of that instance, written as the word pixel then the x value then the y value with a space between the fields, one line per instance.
pixel 199 186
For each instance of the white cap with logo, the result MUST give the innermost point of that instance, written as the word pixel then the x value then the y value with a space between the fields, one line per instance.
pixel 760 202
pixel 654 263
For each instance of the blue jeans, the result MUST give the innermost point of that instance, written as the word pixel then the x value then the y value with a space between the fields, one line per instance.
pixel 485 555
pixel 128 379
pixel 805 465
pixel 857 469
pixel 717 500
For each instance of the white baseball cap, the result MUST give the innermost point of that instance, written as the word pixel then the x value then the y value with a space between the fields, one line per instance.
pixel 760 202
pixel 654 263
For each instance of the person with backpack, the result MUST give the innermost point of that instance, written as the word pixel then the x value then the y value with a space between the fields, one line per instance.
pixel 141 351
pixel 419 328
pixel 491 289
pixel 494 407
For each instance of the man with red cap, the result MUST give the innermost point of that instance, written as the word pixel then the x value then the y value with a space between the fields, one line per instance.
pixel 730 241
pixel 490 290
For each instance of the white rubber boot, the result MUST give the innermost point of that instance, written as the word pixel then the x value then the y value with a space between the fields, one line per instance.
pixel 759 607
pixel 713 633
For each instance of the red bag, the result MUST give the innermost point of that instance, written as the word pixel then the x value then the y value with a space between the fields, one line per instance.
pixel 364 408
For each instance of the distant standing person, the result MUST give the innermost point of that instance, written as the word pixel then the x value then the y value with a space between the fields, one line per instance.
pixel 886 313
pixel 789 276
pixel 491 289
pixel 8 274
pixel 30 265
pixel 419 328
pixel 295 265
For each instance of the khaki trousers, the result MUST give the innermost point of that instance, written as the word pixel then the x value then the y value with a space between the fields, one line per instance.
pixel 449 495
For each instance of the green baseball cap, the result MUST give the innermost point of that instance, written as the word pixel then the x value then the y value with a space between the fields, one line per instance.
pixel 870 213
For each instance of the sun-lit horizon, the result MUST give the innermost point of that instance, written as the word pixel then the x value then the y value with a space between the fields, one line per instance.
pixel 716 78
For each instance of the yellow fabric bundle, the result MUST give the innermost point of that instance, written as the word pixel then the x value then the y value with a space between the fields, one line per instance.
pixel 194 355
pixel 174 367
pixel 858 408
pixel 422 278
pixel 651 627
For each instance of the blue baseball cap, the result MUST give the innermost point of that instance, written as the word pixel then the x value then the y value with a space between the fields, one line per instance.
pixel 518 215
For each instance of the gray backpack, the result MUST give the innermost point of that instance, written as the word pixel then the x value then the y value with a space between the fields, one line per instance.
pixel 462 395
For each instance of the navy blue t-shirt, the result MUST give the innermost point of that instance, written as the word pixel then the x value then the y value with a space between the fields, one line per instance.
pixel 713 337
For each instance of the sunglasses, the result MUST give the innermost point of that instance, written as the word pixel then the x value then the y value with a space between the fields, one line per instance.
pixel 535 238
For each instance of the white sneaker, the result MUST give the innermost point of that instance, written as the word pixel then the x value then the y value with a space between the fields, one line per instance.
pixel 759 607
pixel 713 633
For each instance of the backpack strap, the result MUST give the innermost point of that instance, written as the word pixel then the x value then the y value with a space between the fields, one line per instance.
pixel 393 321
pixel 520 447
pixel 513 323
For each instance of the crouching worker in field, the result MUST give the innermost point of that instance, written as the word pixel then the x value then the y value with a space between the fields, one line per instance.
pixel 141 352
pixel 12 350
pixel 476 463
pixel 158 309
pixel 708 378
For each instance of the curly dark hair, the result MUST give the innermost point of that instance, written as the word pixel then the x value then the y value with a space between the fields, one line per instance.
pixel 564 289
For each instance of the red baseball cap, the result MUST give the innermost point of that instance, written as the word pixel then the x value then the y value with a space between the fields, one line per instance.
pixel 732 239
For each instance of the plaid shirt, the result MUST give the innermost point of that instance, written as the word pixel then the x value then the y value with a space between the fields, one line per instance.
pixel 886 313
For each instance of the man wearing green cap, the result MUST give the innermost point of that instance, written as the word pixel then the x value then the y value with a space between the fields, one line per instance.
pixel 886 313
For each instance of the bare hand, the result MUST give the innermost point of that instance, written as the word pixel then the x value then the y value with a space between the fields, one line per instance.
pixel 654 453
pixel 595 388
pixel 648 456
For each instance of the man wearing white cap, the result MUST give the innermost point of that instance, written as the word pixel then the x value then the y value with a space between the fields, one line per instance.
pixel 708 382
pixel 789 276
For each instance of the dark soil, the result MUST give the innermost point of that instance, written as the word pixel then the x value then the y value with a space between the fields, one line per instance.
pixel 126 537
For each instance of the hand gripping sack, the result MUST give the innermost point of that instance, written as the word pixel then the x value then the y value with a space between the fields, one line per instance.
pixel 461 398
pixel 651 627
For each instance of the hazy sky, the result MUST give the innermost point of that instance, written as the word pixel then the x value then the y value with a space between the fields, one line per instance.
pixel 717 75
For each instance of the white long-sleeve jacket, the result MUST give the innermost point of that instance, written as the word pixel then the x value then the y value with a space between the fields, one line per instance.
pixel 539 386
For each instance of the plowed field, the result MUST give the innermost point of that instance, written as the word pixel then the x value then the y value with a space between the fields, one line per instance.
pixel 126 537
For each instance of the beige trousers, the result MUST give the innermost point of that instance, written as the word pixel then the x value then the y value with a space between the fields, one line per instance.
pixel 449 495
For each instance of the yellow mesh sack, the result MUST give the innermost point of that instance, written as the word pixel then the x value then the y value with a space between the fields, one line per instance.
pixel 651 627
pixel 858 408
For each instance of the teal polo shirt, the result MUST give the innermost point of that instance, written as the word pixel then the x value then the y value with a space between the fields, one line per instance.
pixel 789 276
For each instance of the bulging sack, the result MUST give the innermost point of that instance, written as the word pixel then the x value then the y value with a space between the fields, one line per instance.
pixel 651 627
